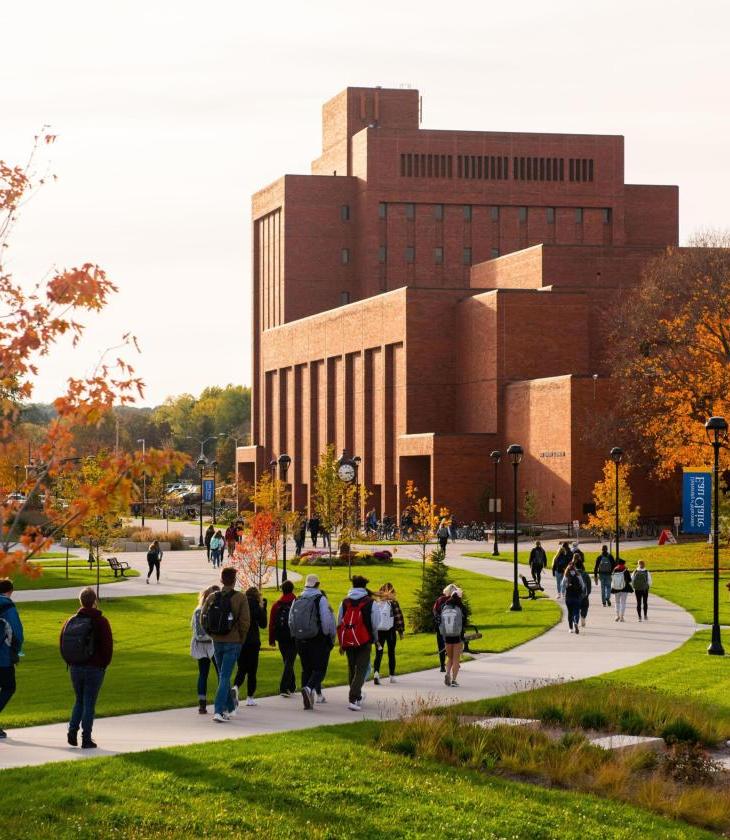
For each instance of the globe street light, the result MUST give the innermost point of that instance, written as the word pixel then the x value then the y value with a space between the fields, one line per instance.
pixel 201 466
pixel 617 455
pixel 496 457
pixel 716 428
pixel 284 462
pixel 515 452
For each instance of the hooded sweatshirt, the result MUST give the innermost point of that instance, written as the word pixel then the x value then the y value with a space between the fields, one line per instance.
pixel 289 598
pixel 9 612
pixel 355 595
pixel 103 644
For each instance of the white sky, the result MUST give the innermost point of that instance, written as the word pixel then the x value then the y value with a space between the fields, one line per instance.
pixel 170 114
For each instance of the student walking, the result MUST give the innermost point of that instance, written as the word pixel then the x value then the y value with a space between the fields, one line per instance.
pixel 585 603
pixel 312 626
pixel 620 587
pixel 201 649
pixel 217 544
pixel 314 529
pixel 248 658
pixel 356 631
pixel 538 561
pixel 226 619
pixel 451 617
pixel 230 538
pixel 154 558
pixel 11 644
pixel 560 564
pixel 602 571
pixel 443 535
pixel 390 625
pixel 209 534
pixel 574 591
pixel 300 535
pixel 436 611
pixel 641 582
pixel 86 647
pixel 280 634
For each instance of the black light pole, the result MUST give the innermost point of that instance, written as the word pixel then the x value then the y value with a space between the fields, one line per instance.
pixel 272 467
pixel 284 462
pixel 144 479
pixel 16 469
pixel 215 467
pixel 496 457
pixel 716 428
pixel 358 512
pixel 201 467
pixel 617 455
pixel 515 452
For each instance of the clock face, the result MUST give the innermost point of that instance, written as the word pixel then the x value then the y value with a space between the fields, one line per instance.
pixel 346 472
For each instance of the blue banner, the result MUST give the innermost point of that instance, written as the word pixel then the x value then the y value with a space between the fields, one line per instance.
pixel 696 502
pixel 208 486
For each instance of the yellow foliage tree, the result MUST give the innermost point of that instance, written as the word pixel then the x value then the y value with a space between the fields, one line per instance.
pixel 426 516
pixel 604 496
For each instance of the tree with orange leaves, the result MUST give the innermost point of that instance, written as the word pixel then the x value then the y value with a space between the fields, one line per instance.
pixel 426 516
pixel 31 322
pixel 672 352
pixel 254 556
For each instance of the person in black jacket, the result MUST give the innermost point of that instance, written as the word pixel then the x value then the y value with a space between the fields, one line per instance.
pixel 248 658
pixel 313 526
pixel 538 561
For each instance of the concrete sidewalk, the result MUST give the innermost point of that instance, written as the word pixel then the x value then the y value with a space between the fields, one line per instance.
pixel 603 646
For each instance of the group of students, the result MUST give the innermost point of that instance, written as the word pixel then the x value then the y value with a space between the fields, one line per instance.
pixel 316 530
pixel 218 543
pixel 574 583
pixel 226 625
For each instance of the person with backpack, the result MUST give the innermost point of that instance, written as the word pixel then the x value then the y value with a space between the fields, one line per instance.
pixel 230 538
pixel 86 647
pixel 154 558
pixel 390 622
pixel 620 587
pixel 641 582
pixel 451 614
pixel 585 603
pixel 11 644
pixel 217 545
pixel 280 634
pixel 436 612
pixel 538 561
pixel 300 535
pixel 602 571
pixel 443 535
pixel 356 631
pixel 574 591
pixel 201 649
pixel 314 529
pixel 560 564
pixel 209 534
pixel 248 658
pixel 312 626
pixel 226 619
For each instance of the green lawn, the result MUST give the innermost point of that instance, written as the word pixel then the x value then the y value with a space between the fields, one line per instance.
pixel 53 575
pixel 325 784
pixel 686 683
pixel 152 668
pixel 693 591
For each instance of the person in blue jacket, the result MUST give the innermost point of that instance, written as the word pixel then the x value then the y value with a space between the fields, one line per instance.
pixel 11 643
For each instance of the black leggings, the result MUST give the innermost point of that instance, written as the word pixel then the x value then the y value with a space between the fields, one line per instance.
pixel 386 637
pixel 248 665
pixel 153 564
pixel 441 644
pixel 642 598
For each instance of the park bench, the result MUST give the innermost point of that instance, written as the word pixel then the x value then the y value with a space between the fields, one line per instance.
pixel 532 586
pixel 117 566
pixel 471 634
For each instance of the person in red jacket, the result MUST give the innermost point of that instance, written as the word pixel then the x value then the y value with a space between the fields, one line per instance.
pixel 93 634
pixel 279 633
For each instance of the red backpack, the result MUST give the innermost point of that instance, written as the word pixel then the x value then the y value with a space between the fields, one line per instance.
pixel 353 631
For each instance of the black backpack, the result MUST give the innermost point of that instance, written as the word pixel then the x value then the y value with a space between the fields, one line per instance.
pixel 281 627
pixel 77 640
pixel 7 637
pixel 218 620
pixel 573 587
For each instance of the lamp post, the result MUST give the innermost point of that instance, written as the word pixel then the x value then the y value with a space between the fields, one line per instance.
pixel 716 428
pixel 201 466
pixel 144 479
pixel 16 470
pixel 272 467
pixel 284 462
pixel 617 455
pixel 357 460
pixel 215 467
pixel 496 457
pixel 515 452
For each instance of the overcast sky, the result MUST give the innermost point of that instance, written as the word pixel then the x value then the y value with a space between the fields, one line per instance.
pixel 170 114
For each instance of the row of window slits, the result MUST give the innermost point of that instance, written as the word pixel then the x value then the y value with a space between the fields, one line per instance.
pixel 495 167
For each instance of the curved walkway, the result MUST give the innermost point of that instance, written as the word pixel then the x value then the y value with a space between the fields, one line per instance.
pixel 603 646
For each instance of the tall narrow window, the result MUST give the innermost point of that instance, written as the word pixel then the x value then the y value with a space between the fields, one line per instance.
pixel 345 212
pixel 345 256
pixel 466 256
pixel 438 255
pixel 382 254
pixel 410 211
pixel 495 252
pixel 438 211
pixel 523 214
pixel 579 215
pixel 606 215
pixel 494 213
pixel 551 215
pixel 382 210
pixel 344 298
pixel 467 212
pixel 410 254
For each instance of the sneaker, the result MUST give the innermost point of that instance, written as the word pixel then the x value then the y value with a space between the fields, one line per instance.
pixel 622 618
pixel 285 694
pixel 354 707
pixel 454 684
pixel 231 713
pixel 234 694
pixel 443 669
pixel 570 629
pixel 618 618
pixel 3 733
pixel 582 621
pixel 393 680
pixel 220 717
pixel 148 580
pixel 376 678
pixel 645 618
pixel 71 737
pixel 577 631
pixel 361 698
pixel 321 699
pixel 307 697
pixel 88 744
pixel 639 618
pixel 608 603
pixel 447 680
pixel 251 702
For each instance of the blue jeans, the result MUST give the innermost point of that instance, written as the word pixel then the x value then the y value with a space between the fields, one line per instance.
pixel 86 681
pixel 226 657
pixel 573 606
pixel 203 671
pixel 559 580
pixel 217 555
pixel 605 588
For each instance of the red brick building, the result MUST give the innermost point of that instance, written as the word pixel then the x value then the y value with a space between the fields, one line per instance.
pixel 424 297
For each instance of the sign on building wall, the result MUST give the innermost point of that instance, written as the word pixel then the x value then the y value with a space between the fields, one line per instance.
pixel 208 485
pixel 696 500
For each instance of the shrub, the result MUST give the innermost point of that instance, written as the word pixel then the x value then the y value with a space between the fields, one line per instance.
pixel 552 714
pixel 689 764
pixel 631 722
pixel 594 720
pixel 435 579
pixel 340 561
pixel 680 731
